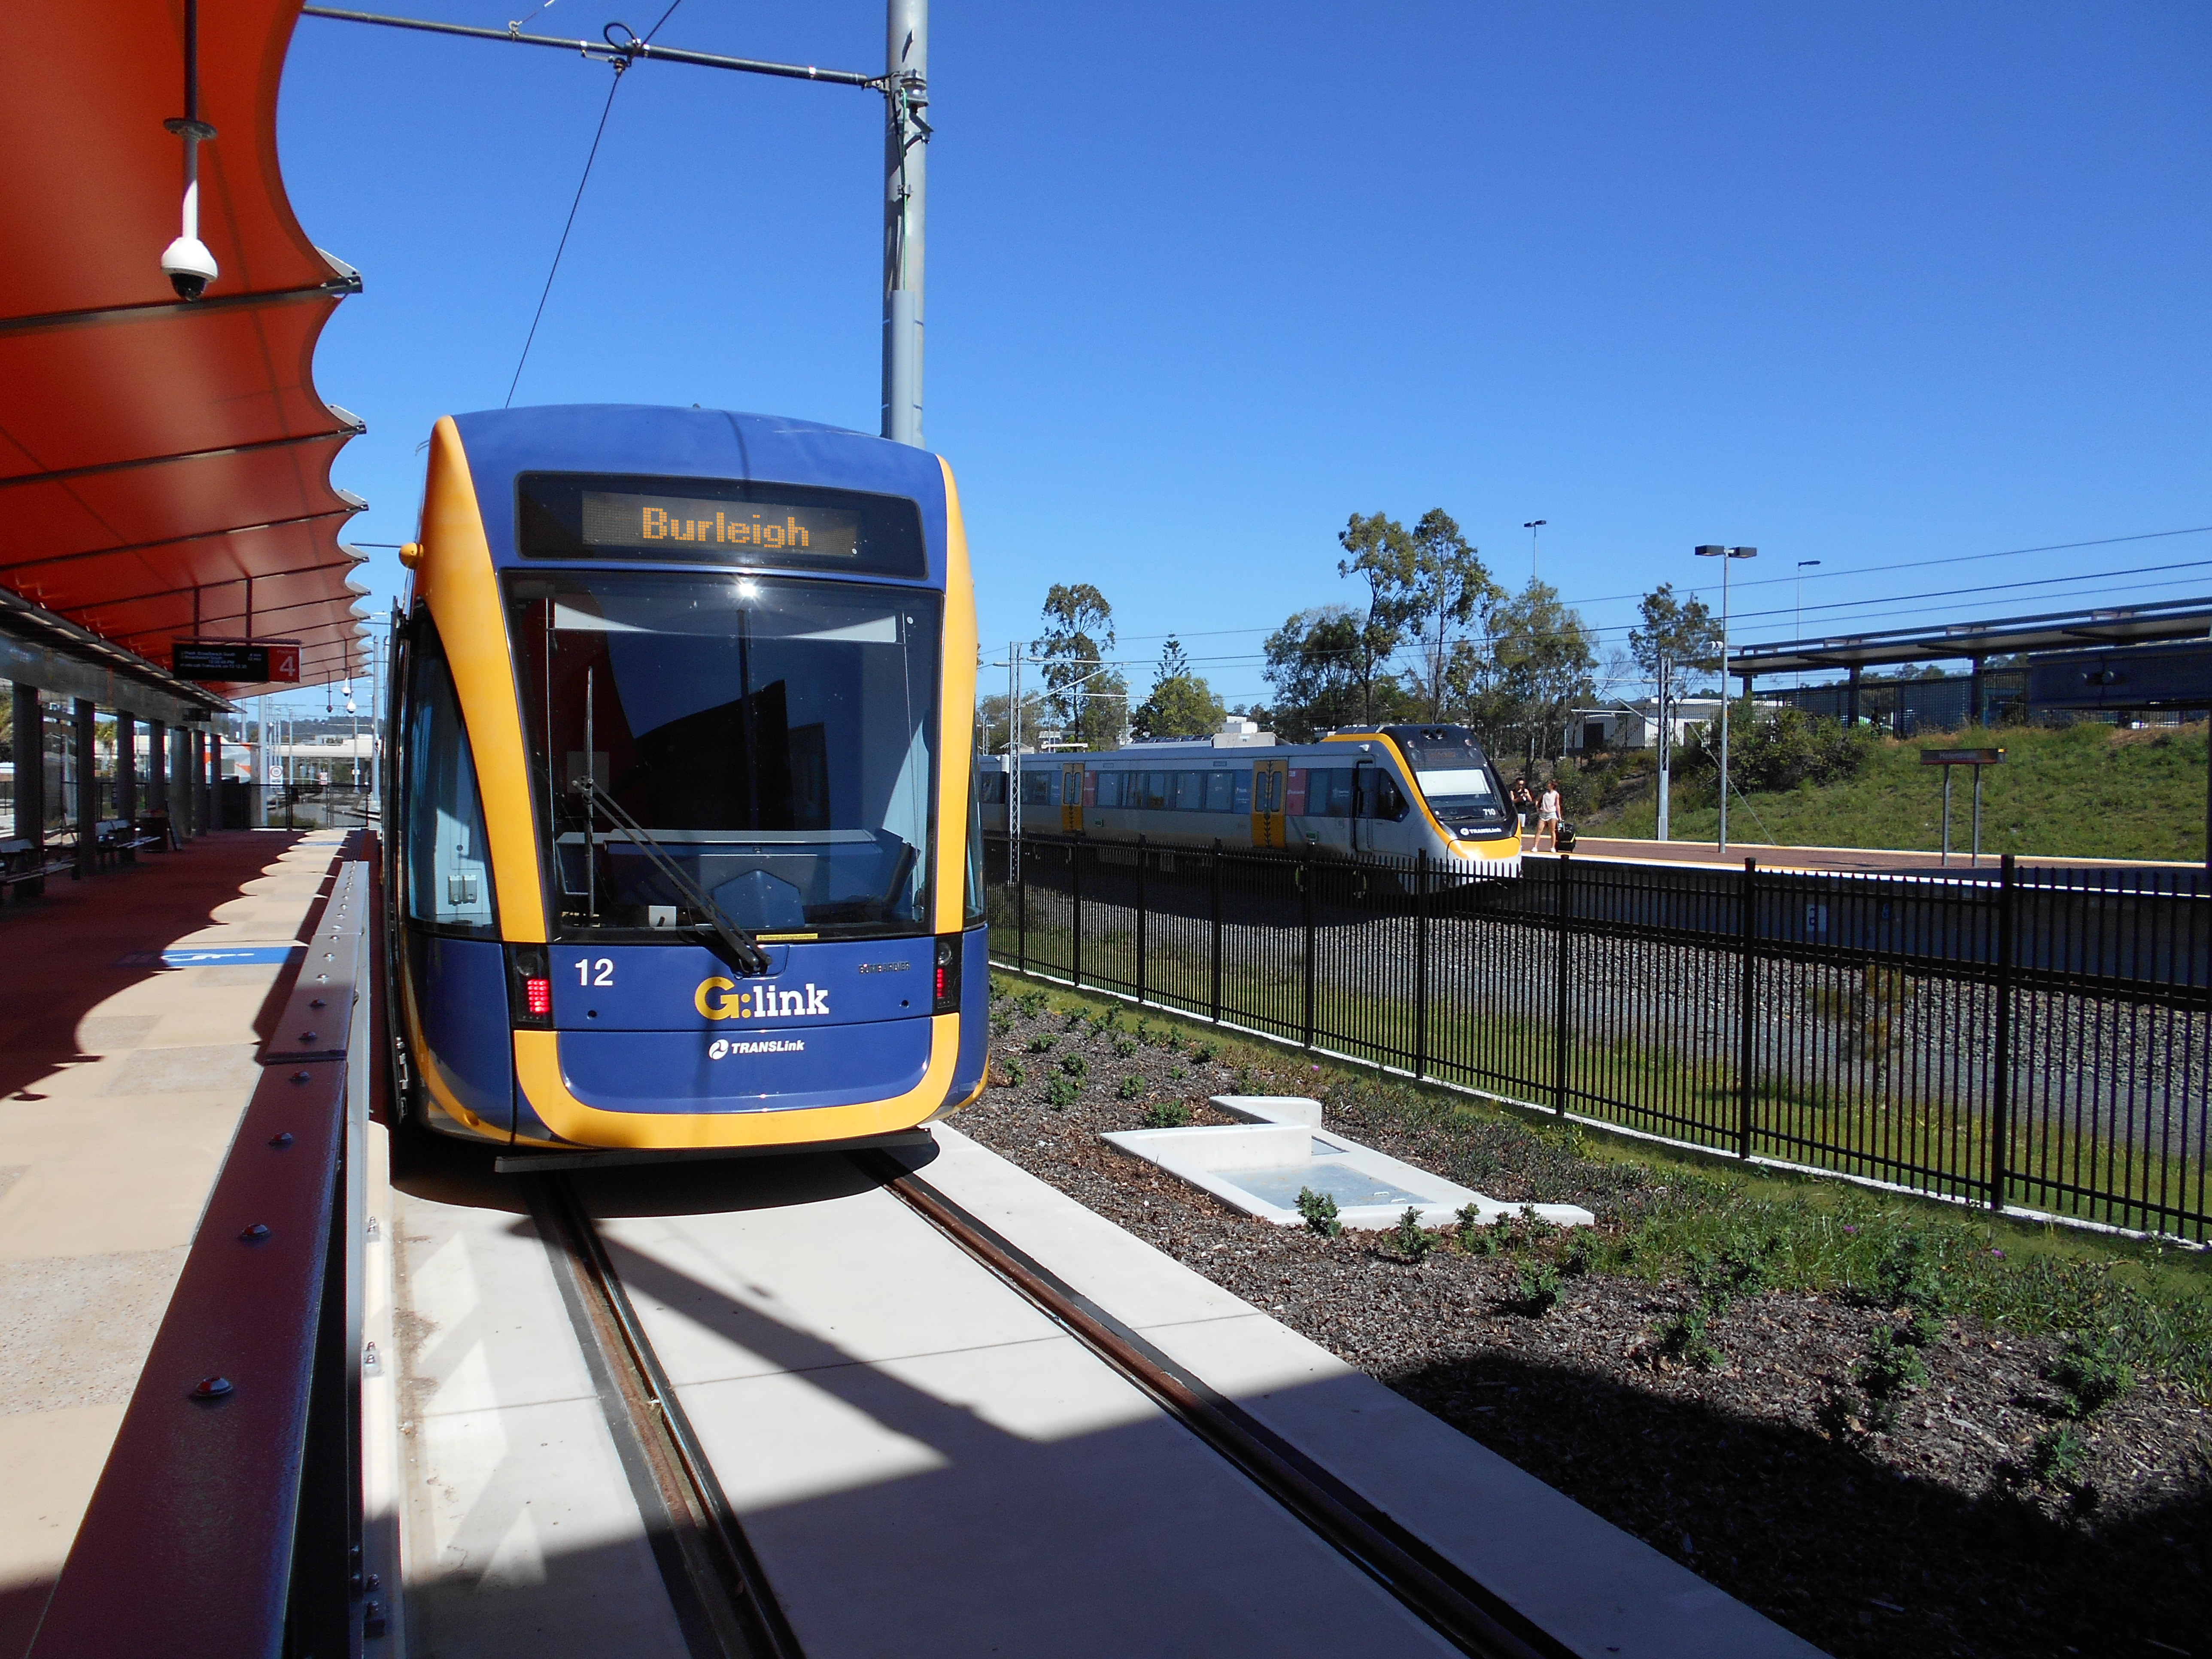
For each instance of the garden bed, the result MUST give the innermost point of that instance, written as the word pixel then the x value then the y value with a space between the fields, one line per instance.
pixel 1855 1412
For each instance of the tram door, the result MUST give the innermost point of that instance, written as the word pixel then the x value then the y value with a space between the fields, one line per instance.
pixel 1071 798
pixel 1271 782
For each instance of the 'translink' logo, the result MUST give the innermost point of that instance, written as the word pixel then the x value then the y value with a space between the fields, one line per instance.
pixel 714 999
pixel 722 1048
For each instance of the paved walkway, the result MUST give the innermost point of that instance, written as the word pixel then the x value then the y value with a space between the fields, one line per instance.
pixel 121 1083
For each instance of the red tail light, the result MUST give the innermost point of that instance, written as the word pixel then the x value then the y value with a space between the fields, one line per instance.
pixel 941 981
pixel 537 997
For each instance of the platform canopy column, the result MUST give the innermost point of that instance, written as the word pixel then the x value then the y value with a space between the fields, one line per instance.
pixel 126 770
pixel 30 772
pixel 86 722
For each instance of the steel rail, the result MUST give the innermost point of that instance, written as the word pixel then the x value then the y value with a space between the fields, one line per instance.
pixel 726 1577
pixel 1441 1595
pixel 629 50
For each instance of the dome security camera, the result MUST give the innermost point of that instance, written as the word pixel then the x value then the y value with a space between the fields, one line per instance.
pixel 189 266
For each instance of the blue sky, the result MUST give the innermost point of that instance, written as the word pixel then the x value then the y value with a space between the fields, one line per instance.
pixel 1875 285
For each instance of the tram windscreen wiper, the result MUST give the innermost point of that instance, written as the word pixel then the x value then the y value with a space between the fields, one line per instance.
pixel 737 948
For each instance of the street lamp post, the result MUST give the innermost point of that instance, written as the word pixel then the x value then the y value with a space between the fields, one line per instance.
pixel 1532 526
pixel 1725 554
pixel 1803 565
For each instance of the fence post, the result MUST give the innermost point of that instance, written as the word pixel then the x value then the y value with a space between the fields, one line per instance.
pixel 1021 912
pixel 1140 921
pixel 1421 967
pixel 1747 987
pixel 1561 864
pixel 2000 1130
pixel 1217 932
pixel 1306 893
pixel 1075 906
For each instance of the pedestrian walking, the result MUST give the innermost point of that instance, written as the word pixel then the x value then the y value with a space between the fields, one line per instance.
pixel 1547 816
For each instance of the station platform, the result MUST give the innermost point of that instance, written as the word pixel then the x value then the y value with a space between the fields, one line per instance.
pixel 132 1008
pixel 1863 859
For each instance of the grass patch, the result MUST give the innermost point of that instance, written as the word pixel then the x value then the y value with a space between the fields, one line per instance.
pixel 2056 795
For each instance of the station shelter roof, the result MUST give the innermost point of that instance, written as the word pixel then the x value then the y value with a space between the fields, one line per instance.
pixel 2059 630
pixel 165 464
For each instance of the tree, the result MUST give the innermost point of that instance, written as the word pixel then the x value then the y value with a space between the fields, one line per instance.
pixel 1676 634
pixel 1451 589
pixel 1314 663
pixel 992 733
pixel 1181 703
pixel 1090 698
pixel 1385 556
pixel 1540 655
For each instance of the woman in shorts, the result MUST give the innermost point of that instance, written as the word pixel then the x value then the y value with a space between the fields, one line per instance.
pixel 1547 816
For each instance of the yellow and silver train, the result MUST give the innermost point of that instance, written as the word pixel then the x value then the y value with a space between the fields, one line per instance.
pixel 1394 790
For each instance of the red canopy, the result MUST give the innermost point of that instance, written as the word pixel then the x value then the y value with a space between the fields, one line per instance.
pixel 165 466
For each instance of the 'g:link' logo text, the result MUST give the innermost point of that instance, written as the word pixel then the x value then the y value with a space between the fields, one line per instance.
pixel 714 999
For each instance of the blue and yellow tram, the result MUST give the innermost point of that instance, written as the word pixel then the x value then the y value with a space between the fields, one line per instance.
pixel 1394 790
pixel 683 850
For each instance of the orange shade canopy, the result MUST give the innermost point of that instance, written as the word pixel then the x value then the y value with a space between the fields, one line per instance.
pixel 165 464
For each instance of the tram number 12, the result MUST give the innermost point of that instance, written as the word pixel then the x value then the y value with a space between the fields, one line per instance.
pixel 604 974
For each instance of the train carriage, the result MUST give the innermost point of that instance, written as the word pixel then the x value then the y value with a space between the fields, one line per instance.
pixel 1394 790
pixel 683 851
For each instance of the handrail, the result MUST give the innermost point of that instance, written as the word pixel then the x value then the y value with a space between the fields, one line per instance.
pixel 227 1521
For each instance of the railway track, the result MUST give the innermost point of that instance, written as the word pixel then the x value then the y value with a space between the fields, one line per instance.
pixel 722 1598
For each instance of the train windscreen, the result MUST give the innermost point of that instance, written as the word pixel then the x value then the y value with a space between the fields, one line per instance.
pixel 1456 779
pixel 773 737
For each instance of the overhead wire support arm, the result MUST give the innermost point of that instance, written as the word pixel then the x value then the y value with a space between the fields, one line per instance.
pixel 627 50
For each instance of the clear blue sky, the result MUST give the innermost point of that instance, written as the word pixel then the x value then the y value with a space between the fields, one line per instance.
pixel 1873 285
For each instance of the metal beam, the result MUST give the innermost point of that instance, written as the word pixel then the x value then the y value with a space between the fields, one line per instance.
pixel 336 289
pixel 177 541
pixel 342 434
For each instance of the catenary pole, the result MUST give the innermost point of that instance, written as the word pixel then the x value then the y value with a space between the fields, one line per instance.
pixel 906 149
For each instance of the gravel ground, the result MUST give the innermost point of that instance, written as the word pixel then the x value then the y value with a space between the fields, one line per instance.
pixel 1759 1474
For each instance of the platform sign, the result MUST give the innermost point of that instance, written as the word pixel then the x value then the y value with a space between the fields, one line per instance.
pixel 1961 756
pixel 238 662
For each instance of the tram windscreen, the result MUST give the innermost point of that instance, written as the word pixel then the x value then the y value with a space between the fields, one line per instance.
pixel 774 739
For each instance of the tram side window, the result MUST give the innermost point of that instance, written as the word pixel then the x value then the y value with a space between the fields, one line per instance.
pixel 448 878
pixel 1036 787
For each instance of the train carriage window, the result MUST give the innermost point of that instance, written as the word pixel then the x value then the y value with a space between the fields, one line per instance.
pixel 1158 787
pixel 1037 787
pixel 1330 793
pixel 1241 799
pixel 1189 790
pixel 1219 791
pixel 448 878
pixel 1110 788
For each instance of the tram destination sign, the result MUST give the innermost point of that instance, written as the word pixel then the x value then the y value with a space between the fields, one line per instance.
pixel 1961 756
pixel 664 520
pixel 239 662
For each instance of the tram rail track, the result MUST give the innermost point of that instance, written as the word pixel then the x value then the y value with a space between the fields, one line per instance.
pixel 720 1590
pixel 1441 1595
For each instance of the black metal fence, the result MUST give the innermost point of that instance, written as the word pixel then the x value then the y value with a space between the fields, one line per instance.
pixel 2037 1039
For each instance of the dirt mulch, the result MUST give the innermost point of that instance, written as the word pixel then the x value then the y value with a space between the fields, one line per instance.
pixel 1759 1474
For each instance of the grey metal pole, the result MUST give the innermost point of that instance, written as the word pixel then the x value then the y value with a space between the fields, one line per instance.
pixel 1724 699
pixel 1666 742
pixel 1974 859
pixel 906 149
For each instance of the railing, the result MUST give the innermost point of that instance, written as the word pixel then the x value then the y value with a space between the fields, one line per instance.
pixel 2026 1039
pixel 228 1520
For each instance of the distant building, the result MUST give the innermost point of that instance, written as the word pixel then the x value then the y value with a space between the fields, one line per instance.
pixel 1636 725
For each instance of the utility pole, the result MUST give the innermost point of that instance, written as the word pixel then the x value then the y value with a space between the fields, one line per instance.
pixel 1725 555
pixel 1666 741
pixel 906 150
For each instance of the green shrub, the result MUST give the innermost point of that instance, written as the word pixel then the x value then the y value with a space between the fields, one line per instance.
pixel 1319 1211
pixel 1581 1257
pixel 1778 750
pixel 1413 1242
pixel 1131 1087
pixel 1539 1288
pixel 1909 1278
pixel 1010 1074
pixel 1688 1338
pixel 1043 1045
pixel 2091 1375
pixel 1124 1047
pixel 1061 1092
pixel 1205 1052
pixel 1030 1002
pixel 1891 1367
pixel 1075 1065
pixel 1476 1236
pixel 2056 1457
pixel 1167 1114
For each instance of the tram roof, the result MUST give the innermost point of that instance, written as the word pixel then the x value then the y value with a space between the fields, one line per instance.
pixel 652 439
pixel 156 450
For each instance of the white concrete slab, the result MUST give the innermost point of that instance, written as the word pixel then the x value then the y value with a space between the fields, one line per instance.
pixel 519 1534
pixel 1262 1166
pixel 1597 1588
pixel 978 1483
